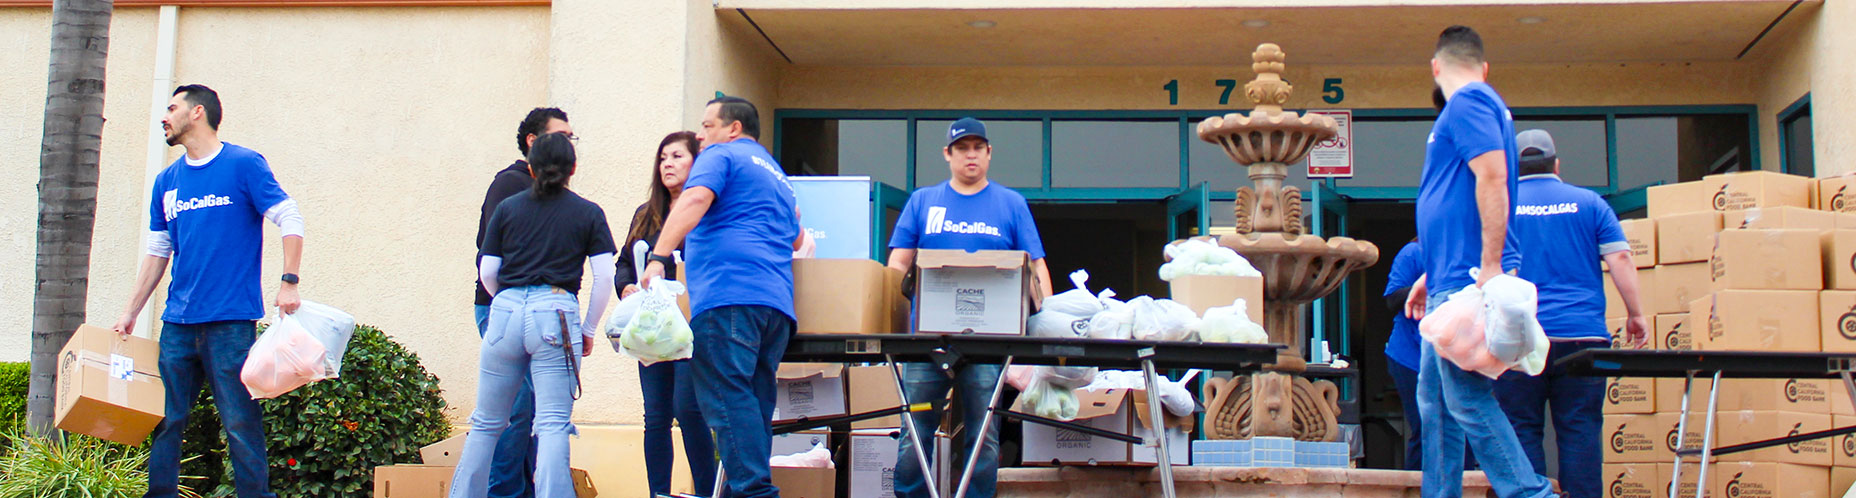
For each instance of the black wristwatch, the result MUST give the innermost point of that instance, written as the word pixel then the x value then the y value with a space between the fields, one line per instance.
pixel 666 260
pixel 290 278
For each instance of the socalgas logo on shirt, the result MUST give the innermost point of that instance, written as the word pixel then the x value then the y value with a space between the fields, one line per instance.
pixel 175 206
pixel 1546 209
pixel 938 223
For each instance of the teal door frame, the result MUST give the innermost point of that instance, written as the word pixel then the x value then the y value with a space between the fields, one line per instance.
pixel 1194 202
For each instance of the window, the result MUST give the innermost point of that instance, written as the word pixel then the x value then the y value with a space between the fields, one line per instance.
pixel 848 147
pixel 1796 140
pixel 1017 152
pixel 1110 154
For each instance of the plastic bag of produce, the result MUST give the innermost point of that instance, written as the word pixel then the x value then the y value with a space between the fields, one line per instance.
pixel 658 331
pixel 1078 301
pixel 331 327
pixel 287 356
pixel 1053 323
pixel 1199 257
pixel 1231 324
pixel 1046 400
pixel 1116 321
pixel 1162 319
pixel 1455 331
pixel 1513 330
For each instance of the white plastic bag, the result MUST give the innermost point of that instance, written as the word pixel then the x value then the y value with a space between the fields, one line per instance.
pixel 816 458
pixel 657 330
pixel 1052 323
pixel 287 356
pixel 1173 394
pixel 1116 321
pixel 1162 319
pixel 1511 326
pixel 1231 324
pixel 331 327
pixel 1078 301
pixel 1043 399
pixel 1199 257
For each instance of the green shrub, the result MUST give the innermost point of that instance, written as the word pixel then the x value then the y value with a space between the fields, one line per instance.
pixel 35 467
pixel 13 379
pixel 325 439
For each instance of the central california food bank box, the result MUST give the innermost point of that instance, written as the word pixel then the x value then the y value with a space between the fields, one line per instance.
pixel 980 292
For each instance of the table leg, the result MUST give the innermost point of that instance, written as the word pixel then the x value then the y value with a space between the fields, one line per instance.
pixel 979 438
pixel 908 420
pixel 1849 384
pixel 1707 438
pixel 721 480
pixel 1156 413
pixel 1675 477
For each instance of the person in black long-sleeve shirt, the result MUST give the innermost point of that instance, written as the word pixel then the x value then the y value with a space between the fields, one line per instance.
pixel 512 469
pixel 668 390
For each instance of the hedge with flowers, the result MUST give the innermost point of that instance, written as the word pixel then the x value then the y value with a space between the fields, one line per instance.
pixel 325 439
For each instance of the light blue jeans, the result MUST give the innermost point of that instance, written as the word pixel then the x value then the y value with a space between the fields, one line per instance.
pixel 512 469
pixel 1454 403
pixel 524 335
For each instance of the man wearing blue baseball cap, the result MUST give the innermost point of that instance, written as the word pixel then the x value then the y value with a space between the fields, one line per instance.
pixel 966 212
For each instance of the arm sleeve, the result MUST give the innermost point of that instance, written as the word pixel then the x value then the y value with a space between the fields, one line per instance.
pixel 1406 267
pixel 599 240
pixel 157 202
pixel 1027 231
pixel 286 217
pixel 487 267
pixel 1476 127
pixel 1610 234
pixel 262 186
pixel 505 185
pixel 160 244
pixel 602 293
pixel 710 171
pixel 907 234
pixel 1395 299
pixel 492 243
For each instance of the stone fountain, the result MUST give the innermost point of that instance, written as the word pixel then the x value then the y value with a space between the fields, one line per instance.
pixel 1297 267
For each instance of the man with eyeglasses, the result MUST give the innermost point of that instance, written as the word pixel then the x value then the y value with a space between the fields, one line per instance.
pixel 512 468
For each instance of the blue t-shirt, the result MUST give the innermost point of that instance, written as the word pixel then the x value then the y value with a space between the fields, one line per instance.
pixel 1402 346
pixel 214 213
pixel 1474 122
pixel 995 218
pixel 741 252
pixel 1565 231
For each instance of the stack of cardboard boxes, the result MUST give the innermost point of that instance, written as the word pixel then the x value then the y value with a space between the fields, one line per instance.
pixel 1740 261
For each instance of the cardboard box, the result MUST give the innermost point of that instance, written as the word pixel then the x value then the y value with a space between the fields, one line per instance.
pixel 1646 289
pixel 1642 237
pixel 583 484
pixel 808 390
pixel 1736 427
pixel 1665 473
pixel 873 463
pixel 1616 326
pixel 872 388
pixel 1840 399
pixel 982 292
pixel 1767 259
pixel 413 481
pixel 1634 439
pixel 1633 480
pixel 1686 238
pixel 1786 217
pixel 1758 189
pixel 1841 478
pixel 1757 320
pixel 1680 198
pixel 1202 292
pixel 842 296
pixel 1630 395
pixel 899 305
pixel 1768 480
pixel 797 482
pixel 444 452
pixel 1843 448
pixel 109 386
pixel 1672 332
pixel 1834 194
pixel 1111 410
pixel 1839 248
pixel 1837 321
pixel 1678 285
pixel 1792 395
pixel 799 442
pixel 1669 395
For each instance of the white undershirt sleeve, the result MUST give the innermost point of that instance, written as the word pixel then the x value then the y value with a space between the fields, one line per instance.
pixel 603 269
pixel 160 244
pixel 486 273
pixel 286 216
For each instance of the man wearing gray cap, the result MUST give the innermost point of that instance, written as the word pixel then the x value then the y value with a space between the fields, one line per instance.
pixel 1564 231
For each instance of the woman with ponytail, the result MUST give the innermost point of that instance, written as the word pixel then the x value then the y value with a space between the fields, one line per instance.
pixel 533 249
pixel 667 386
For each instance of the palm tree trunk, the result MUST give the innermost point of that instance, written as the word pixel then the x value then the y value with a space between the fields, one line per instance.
pixel 67 190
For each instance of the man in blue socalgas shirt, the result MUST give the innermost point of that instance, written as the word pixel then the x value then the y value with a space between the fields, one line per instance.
pixel 1565 230
pixel 966 212
pixel 742 223
pixel 208 218
pixel 1463 211
pixel 1402 346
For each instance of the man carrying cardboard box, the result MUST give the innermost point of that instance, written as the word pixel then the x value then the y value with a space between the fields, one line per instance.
pixel 208 214
pixel 966 212
pixel 1463 211
pixel 1565 230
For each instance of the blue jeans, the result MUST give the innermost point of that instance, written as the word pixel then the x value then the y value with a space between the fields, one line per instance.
pixel 1454 403
pixel 738 348
pixel 524 336
pixel 927 383
pixel 669 393
pixel 1406 381
pixel 190 356
pixel 512 469
pixel 1578 417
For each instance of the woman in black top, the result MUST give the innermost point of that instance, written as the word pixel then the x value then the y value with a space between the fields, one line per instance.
pixel 667 389
pixel 533 249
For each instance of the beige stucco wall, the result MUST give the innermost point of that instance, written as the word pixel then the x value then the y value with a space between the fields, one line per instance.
pixel 1802 55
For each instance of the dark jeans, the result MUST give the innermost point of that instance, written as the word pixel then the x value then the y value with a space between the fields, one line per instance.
pixel 974 384
pixel 192 355
pixel 512 467
pixel 738 348
pixel 1578 417
pixel 669 393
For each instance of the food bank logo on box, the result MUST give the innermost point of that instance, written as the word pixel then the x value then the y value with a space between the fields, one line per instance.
pixel 1069 439
pixel 970 302
pixel 1614 394
pixel 1846 324
pixel 1622 442
pixel 1849 445
pixel 1674 340
pixel 938 222
pixel 1791 390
